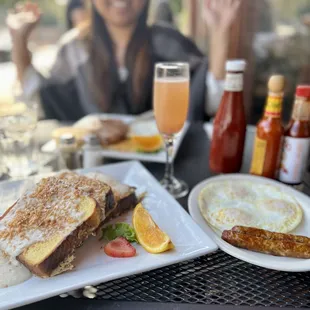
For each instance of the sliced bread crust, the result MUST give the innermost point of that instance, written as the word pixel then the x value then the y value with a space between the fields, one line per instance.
pixel 124 204
pixel 124 195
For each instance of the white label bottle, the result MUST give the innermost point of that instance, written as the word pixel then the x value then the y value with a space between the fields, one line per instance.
pixel 297 139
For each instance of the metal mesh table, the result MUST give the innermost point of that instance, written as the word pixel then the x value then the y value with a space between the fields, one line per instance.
pixel 217 278
pixel 214 279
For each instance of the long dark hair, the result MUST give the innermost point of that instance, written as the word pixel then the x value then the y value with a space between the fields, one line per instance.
pixel 73 5
pixel 105 81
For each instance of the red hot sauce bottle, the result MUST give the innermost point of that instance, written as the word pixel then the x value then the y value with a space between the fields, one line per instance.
pixel 269 132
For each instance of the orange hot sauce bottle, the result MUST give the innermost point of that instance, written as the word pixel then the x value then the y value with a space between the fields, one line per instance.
pixel 269 132
pixel 229 127
pixel 297 139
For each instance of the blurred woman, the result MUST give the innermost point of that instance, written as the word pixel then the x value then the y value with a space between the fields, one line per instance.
pixel 164 13
pixel 107 65
pixel 76 13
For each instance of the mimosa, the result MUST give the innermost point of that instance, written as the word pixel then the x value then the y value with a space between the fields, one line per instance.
pixel 171 100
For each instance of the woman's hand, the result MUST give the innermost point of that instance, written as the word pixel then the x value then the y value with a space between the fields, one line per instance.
pixel 220 14
pixel 22 20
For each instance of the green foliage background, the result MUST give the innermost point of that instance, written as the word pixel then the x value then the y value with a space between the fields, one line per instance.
pixel 53 13
pixel 176 6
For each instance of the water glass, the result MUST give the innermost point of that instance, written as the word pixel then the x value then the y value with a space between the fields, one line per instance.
pixel 17 145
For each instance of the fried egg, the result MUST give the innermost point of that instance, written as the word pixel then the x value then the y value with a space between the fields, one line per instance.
pixel 225 204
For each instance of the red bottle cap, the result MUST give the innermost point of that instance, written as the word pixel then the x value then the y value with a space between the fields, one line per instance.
pixel 303 91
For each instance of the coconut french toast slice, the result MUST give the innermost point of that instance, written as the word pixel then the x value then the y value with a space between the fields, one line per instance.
pixel 56 254
pixel 124 195
pixel 94 188
pixel 44 227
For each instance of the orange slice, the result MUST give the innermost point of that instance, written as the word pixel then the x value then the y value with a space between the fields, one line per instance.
pixel 145 136
pixel 148 143
pixel 148 233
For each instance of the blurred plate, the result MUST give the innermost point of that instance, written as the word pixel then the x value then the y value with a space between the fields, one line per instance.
pixel 159 157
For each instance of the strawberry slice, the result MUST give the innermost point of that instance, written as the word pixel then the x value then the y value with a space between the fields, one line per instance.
pixel 119 247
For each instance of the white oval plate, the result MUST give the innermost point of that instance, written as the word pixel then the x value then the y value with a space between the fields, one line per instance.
pixel 259 259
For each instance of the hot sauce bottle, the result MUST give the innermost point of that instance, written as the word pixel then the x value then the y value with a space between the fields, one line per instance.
pixel 297 139
pixel 269 132
pixel 229 127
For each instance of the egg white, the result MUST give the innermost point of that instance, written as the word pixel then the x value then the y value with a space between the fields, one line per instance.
pixel 225 204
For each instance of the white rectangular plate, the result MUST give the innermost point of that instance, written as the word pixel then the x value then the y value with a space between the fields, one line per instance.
pixel 159 157
pixel 259 259
pixel 93 266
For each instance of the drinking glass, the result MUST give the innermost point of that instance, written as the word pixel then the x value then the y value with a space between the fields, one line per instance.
pixel 17 125
pixel 171 101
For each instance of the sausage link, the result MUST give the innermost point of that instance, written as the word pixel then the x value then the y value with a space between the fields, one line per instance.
pixel 268 246
pixel 270 235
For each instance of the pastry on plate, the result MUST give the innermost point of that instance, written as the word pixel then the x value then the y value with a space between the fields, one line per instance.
pixel 112 131
pixel 78 133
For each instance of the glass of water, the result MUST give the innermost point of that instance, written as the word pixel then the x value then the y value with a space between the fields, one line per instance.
pixel 18 122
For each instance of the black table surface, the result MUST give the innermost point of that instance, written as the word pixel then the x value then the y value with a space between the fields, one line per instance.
pixel 191 165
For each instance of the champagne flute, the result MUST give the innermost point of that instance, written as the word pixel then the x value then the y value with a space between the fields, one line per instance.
pixel 171 101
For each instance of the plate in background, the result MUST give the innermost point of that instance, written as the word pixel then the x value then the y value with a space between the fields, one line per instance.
pixel 159 157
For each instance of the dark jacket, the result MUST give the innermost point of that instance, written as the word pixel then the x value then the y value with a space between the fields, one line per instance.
pixel 66 95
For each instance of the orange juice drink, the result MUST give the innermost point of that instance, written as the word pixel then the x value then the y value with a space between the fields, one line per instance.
pixel 171 101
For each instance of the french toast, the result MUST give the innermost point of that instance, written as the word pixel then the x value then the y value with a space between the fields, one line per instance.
pixel 44 227
pixel 124 195
pixel 56 255
pixel 78 133
pixel 94 188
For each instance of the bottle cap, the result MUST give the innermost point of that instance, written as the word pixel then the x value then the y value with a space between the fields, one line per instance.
pixel 91 140
pixel 303 91
pixel 276 83
pixel 236 65
pixel 67 139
